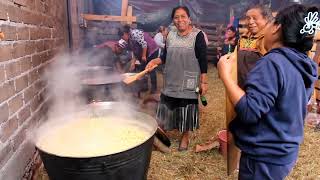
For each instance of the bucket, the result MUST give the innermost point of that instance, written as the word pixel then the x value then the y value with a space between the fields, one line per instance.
pixel 222 137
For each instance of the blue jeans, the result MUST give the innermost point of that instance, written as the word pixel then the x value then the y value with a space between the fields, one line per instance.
pixel 251 169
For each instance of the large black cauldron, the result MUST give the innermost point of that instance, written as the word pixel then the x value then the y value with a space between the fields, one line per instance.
pixel 130 164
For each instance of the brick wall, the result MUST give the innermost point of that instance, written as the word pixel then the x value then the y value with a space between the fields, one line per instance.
pixel 34 31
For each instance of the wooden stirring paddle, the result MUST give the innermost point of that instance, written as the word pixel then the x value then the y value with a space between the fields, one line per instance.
pixel 131 79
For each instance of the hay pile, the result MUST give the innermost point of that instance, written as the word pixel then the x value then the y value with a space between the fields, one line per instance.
pixel 308 164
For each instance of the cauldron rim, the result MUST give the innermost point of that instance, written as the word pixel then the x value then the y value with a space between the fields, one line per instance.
pixel 108 106
pixel 89 157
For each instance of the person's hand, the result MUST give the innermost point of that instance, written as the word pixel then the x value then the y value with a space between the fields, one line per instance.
pixel 151 65
pixel 144 58
pixel 204 88
pixel 224 65
pixel 132 66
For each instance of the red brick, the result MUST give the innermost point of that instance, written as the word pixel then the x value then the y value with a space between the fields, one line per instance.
pixel 31 4
pixel 10 33
pixel 33 76
pixel 6 90
pixel 15 104
pixel 5 153
pixel 2 74
pixel 19 49
pixel 51 54
pixel 8 128
pixel 6 52
pixel 60 42
pixel 24 114
pixel 33 18
pixel 3 11
pixel 36 60
pixel 12 69
pixel 25 64
pixel 14 13
pixel 30 47
pixel 23 33
pixel 34 33
pixel 4 113
pixel 44 110
pixel 39 5
pixel 36 117
pixel 27 16
pixel 21 2
pixel 44 57
pixel 28 94
pixel 35 103
pixel 44 33
pixel 21 83
pixel 48 44
pixel 43 94
pixel 54 32
pixel 18 139
pixel 40 46
pixel 42 70
pixel 48 21
pixel 39 85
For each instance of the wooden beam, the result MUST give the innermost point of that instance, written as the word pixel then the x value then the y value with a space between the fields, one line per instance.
pixel 92 17
pixel 129 14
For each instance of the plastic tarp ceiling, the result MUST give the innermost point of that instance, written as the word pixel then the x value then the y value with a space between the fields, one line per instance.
pixel 153 13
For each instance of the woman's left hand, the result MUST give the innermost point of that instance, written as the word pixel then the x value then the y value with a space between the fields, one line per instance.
pixel 204 88
pixel 144 58
pixel 225 64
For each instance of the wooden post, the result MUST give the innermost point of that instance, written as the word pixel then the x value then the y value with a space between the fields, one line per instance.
pixel 315 55
pixel 129 14
pixel 233 152
pixel 124 9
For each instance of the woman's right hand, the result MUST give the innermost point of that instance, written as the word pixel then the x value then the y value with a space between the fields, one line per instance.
pixel 152 64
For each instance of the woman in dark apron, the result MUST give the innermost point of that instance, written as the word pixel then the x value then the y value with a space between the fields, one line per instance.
pixel 185 76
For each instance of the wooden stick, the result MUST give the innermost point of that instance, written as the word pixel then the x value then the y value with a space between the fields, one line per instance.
pixel 93 17
pixel 233 152
pixel 160 146
pixel 131 79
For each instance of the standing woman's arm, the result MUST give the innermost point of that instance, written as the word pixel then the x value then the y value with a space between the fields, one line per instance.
pixel 201 54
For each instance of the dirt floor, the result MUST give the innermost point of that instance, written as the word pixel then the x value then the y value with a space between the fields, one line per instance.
pixel 211 165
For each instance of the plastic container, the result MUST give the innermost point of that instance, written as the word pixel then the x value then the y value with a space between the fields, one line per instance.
pixel 222 137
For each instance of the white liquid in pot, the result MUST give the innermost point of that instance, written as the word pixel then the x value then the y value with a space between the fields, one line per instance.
pixel 91 137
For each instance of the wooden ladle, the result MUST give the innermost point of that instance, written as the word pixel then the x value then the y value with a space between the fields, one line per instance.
pixel 131 79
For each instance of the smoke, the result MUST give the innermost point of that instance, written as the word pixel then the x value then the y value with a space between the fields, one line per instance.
pixel 74 80
pixel 64 85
